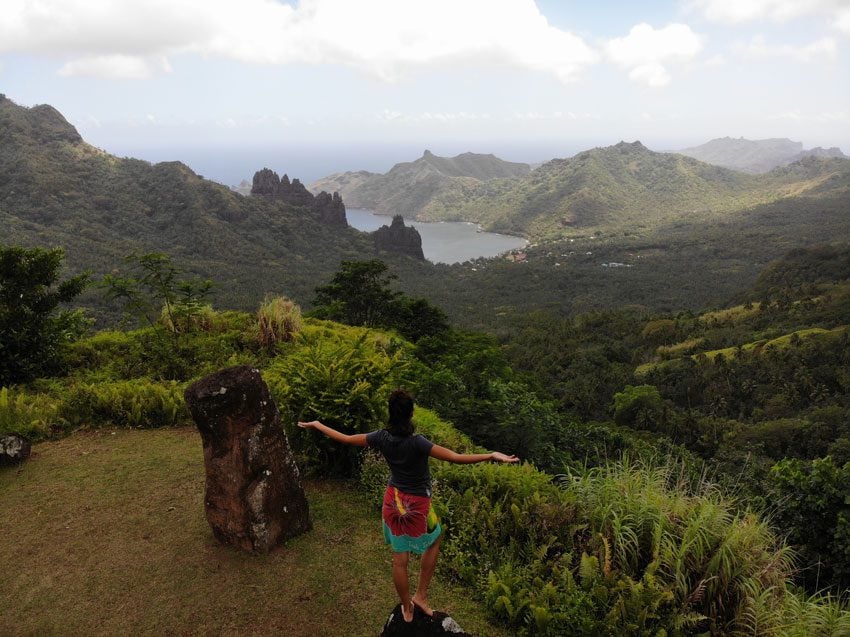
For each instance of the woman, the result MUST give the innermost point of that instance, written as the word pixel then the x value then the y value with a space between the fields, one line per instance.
pixel 409 521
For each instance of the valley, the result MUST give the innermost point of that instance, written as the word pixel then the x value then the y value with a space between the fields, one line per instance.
pixel 664 317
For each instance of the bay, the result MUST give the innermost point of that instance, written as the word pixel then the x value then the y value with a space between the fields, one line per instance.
pixel 443 241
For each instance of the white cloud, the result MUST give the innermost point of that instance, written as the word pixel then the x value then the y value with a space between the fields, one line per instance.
pixel 735 11
pixel 759 48
pixel 842 20
pixel 645 52
pixel 427 116
pixel 653 75
pixel 385 38
pixel 391 115
pixel 827 117
pixel 738 11
pixel 116 66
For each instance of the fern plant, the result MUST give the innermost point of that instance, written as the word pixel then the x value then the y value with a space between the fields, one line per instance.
pixel 29 415
pixel 344 384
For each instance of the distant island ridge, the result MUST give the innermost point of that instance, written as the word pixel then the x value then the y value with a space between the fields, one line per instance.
pixel 746 155
pixel 756 155
pixel 623 186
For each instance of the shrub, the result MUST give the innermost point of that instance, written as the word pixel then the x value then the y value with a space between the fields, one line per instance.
pixel 713 561
pixel 187 318
pixel 373 479
pixel 108 349
pixel 114 355
pixel 815 509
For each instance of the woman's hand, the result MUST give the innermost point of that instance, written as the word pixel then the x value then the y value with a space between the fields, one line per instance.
pixel 500 457
pixel 309 425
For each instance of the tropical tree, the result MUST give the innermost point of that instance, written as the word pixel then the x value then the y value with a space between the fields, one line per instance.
pixel 33 329
pixel 360 294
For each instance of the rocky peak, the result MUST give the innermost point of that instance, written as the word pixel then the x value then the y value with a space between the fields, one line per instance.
pixel 329 208
pixel 266 183
pixel 399 238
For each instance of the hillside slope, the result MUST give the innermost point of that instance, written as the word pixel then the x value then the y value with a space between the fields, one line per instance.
pixel 55 189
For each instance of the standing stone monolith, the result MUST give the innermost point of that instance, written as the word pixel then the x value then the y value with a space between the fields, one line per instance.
pixel 254 498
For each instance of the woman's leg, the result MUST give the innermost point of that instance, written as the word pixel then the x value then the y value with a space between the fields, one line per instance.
pixel 426 572
pixel 402 585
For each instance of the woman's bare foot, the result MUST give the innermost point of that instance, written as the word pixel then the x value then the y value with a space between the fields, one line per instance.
pixel 407 612
pixel 422 604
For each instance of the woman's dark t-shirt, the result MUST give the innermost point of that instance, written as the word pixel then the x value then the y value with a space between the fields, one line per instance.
pixel 408 460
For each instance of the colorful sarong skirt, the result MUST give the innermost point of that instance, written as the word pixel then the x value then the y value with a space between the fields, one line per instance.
pixel 410 523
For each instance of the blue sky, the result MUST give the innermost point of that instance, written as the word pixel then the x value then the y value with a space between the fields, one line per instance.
pixel 176 79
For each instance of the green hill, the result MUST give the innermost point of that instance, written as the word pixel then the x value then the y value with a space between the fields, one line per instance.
pixel 55 189
pixel 410 188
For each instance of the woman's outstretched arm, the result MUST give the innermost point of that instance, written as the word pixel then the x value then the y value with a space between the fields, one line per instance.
pixel 358 440
pixel 441 453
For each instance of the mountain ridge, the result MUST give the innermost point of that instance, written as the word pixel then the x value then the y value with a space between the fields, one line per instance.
pixel 625 185
pixel 56 189
pixel 756 155
pixel 630 186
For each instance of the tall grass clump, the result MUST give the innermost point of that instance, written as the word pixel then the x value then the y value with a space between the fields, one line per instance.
pixel 278 319
pixel 799 615
pixel 627 548
pixel 715 565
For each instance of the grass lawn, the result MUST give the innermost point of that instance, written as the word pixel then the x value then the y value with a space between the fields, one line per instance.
pixel 103 533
